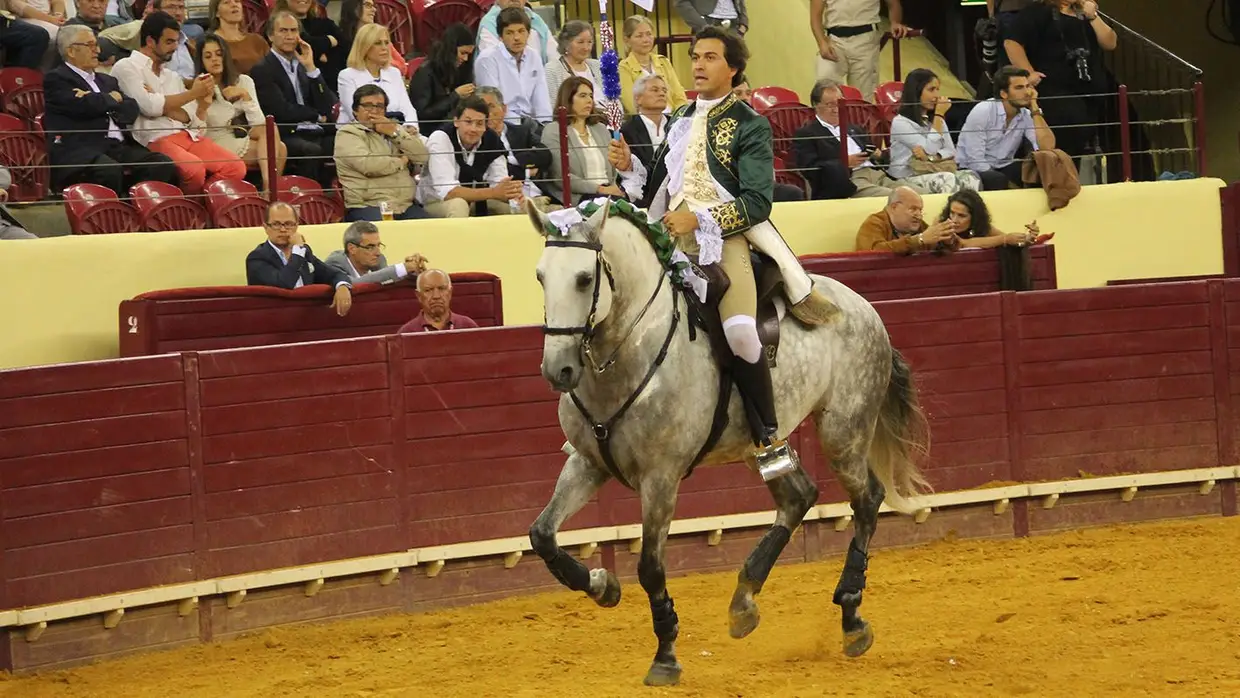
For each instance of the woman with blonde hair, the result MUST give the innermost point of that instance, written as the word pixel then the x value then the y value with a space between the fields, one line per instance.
pixel 233 99
pixel 370 63
pixel 226 19
pixel 642 60
pixel 590 172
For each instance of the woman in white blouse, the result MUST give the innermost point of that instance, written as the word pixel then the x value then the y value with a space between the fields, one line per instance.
pixel 590 173
pixel 576 41
pixel 230 116
pixel 370 62
pixel 922 152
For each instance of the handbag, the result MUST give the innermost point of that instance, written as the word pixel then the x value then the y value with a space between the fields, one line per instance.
pixel 921 167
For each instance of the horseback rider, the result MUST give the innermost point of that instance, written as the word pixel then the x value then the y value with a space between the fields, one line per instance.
pixel 713 179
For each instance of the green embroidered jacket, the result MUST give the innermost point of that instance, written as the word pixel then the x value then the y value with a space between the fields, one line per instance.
pixel 740 158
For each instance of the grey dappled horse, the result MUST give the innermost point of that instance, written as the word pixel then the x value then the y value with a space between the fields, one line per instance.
pixel 651 393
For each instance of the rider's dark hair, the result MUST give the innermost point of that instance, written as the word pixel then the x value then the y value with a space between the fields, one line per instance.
pixel 735 52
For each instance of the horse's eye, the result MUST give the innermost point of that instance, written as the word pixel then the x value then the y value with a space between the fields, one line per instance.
pixel 584 281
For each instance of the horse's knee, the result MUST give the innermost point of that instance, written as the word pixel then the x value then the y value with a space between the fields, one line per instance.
pixel 741 331
pixel 651 574
pixel 542 540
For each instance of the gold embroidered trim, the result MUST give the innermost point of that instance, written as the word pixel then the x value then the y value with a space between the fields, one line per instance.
pixel 722 138
pixel 728 216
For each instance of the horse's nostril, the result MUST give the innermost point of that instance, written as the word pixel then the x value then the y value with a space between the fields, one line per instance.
pixel 566 374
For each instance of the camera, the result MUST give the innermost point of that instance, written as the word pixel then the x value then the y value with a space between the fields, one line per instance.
pixel 1080 57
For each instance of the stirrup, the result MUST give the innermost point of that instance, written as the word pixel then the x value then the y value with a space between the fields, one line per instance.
pixel 775 460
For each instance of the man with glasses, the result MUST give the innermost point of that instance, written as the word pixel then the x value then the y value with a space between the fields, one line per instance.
pixel 362 259
pixel 286 261
pixel 435 295
pixel 87 121
pixel 373 155
pixel 93 14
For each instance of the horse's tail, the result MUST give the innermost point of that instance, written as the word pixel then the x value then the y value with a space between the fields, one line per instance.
pixel 902 436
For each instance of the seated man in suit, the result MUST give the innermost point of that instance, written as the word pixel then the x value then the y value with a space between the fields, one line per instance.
pixel 362 259
pixel 286 261
pixel 816 148
pixel 466 172
pixel 10 229
pixel 87 121
pixel 645 130
pixel 526 154
pixel 292 89
pixel 435 295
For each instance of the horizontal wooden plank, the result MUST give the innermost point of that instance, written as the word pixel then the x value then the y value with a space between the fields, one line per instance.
pixel 454 449
pixel 1077 300
pixel 83 555
pixel 122 576
pixel 978 451
pixel 502 524
pixel 62 497
pixel 260 338
pixel 922 310
pixel 986 426
pixel 1082 371
pixel 89 375
pixel 964 331
pixel 91 434
pixel 452 395
pixel 1121 438
pixel 101 462
pixel 300 495
pixel 940 406
pixel 57 408
pixel 945 356
pixel 473 367
pixel 328 380
pixel 505 340
pixel 276 362
pixel 481 500
pixel 962 380
pixel 261 415
pixel 303 551
pixel 1156 341
pixel 473 474
pixel 718 503
pixel 291 441
pixel 967 477
pixel 482 420
pixel 1136 460
pixel 219 322
pixel 305 467
pixel 302 522
pixel 1114 320
pixel 100 521
pixel 1117 392
pixel 1074 419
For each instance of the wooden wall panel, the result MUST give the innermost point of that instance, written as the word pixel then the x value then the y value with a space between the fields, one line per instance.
pixel 94 479
pixel 297 455
pixel 1075 344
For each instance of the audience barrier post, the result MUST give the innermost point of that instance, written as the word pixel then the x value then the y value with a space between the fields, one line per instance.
pixel 1125 137
pixel 1199 124
pixel 273 175
pixel 561 116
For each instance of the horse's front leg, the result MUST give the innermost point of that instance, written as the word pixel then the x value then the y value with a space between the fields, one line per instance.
pixel 578 482
pixel 658 496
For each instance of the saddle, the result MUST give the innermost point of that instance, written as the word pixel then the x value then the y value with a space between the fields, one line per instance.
pixel 770 284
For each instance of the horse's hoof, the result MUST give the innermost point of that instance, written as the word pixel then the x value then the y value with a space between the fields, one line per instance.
pixel 663 674
pixel 610 596
pixel 857 642
pixel 743 616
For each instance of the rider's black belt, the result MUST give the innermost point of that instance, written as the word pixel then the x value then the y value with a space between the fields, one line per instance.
pixel 845 32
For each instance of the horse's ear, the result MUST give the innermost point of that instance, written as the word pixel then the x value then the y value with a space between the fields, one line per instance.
pixel 594 225
pixel 538 219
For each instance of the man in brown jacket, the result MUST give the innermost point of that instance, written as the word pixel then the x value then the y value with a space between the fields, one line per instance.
pixel 373 155
pixel 899 228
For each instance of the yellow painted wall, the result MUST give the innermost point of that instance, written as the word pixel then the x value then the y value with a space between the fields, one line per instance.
pixel 1111 231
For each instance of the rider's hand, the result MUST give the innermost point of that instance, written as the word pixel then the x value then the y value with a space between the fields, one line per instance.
pixel 680 223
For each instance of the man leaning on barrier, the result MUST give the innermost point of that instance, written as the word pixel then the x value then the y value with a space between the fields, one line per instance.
pixel 362 259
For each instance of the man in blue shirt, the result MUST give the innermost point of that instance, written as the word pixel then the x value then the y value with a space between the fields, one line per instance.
pixel 541 38
pixel 516 69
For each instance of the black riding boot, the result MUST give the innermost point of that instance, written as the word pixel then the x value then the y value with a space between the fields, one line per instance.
pixel 758 395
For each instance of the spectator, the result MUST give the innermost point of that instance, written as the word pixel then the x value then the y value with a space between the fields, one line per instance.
pixel 1004 13
pixel 226 18
pixel 921 146
pixel 10 229
pixel 526 155
pixel 370 63
pixel 576 43
pixel 994 130
pixel 127 38
pixel 88 122
pixel 321 33
pixel 362 260
pixel 234 99
pixel 699 14
pixel 848 49
pixel 816 150
pixel 373 154
pixel 642 60
pixel 645 130
pixel 24 44
pixel 515 69
pixel 286 261
pixel 1060 43
pixel 444 79
pixel 47 15
pixel 164 106
pixel 743 91
pixel 467 167
pixel 590 172
pixel 93 15
pixel 782 191
pixel 355 14
pixel 970 220
pixel 899 228
pixel 291 89
pixel 435 295
pixel 490 33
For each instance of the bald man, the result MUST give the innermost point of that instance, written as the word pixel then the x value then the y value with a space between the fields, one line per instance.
pixel 899 227
pixel 435 295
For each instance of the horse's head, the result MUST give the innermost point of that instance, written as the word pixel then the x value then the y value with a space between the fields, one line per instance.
pixel 577 289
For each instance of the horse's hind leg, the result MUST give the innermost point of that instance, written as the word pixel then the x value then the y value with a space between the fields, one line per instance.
pixel 658 504
pixel 794 494
pixel 865 494
pixel 578 482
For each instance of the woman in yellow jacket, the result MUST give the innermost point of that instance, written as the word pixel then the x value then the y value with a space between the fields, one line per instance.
pixel 642 60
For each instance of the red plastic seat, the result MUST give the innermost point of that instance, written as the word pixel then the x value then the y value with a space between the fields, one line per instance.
pixel 785 176
pixel 93 209
pixel 23 150
pixel 865 116
pixel 850 92
pixel 162 206
pixel 436 19
pixel 412 66
pixel 235 203
pixel 888 99
pixel 785 120
pixel 22 89
pixel 764 98
pixel 314 205
pixel 395 15
pixel 254 16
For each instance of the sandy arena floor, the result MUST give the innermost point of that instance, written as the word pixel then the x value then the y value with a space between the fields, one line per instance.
pixel 1151 609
